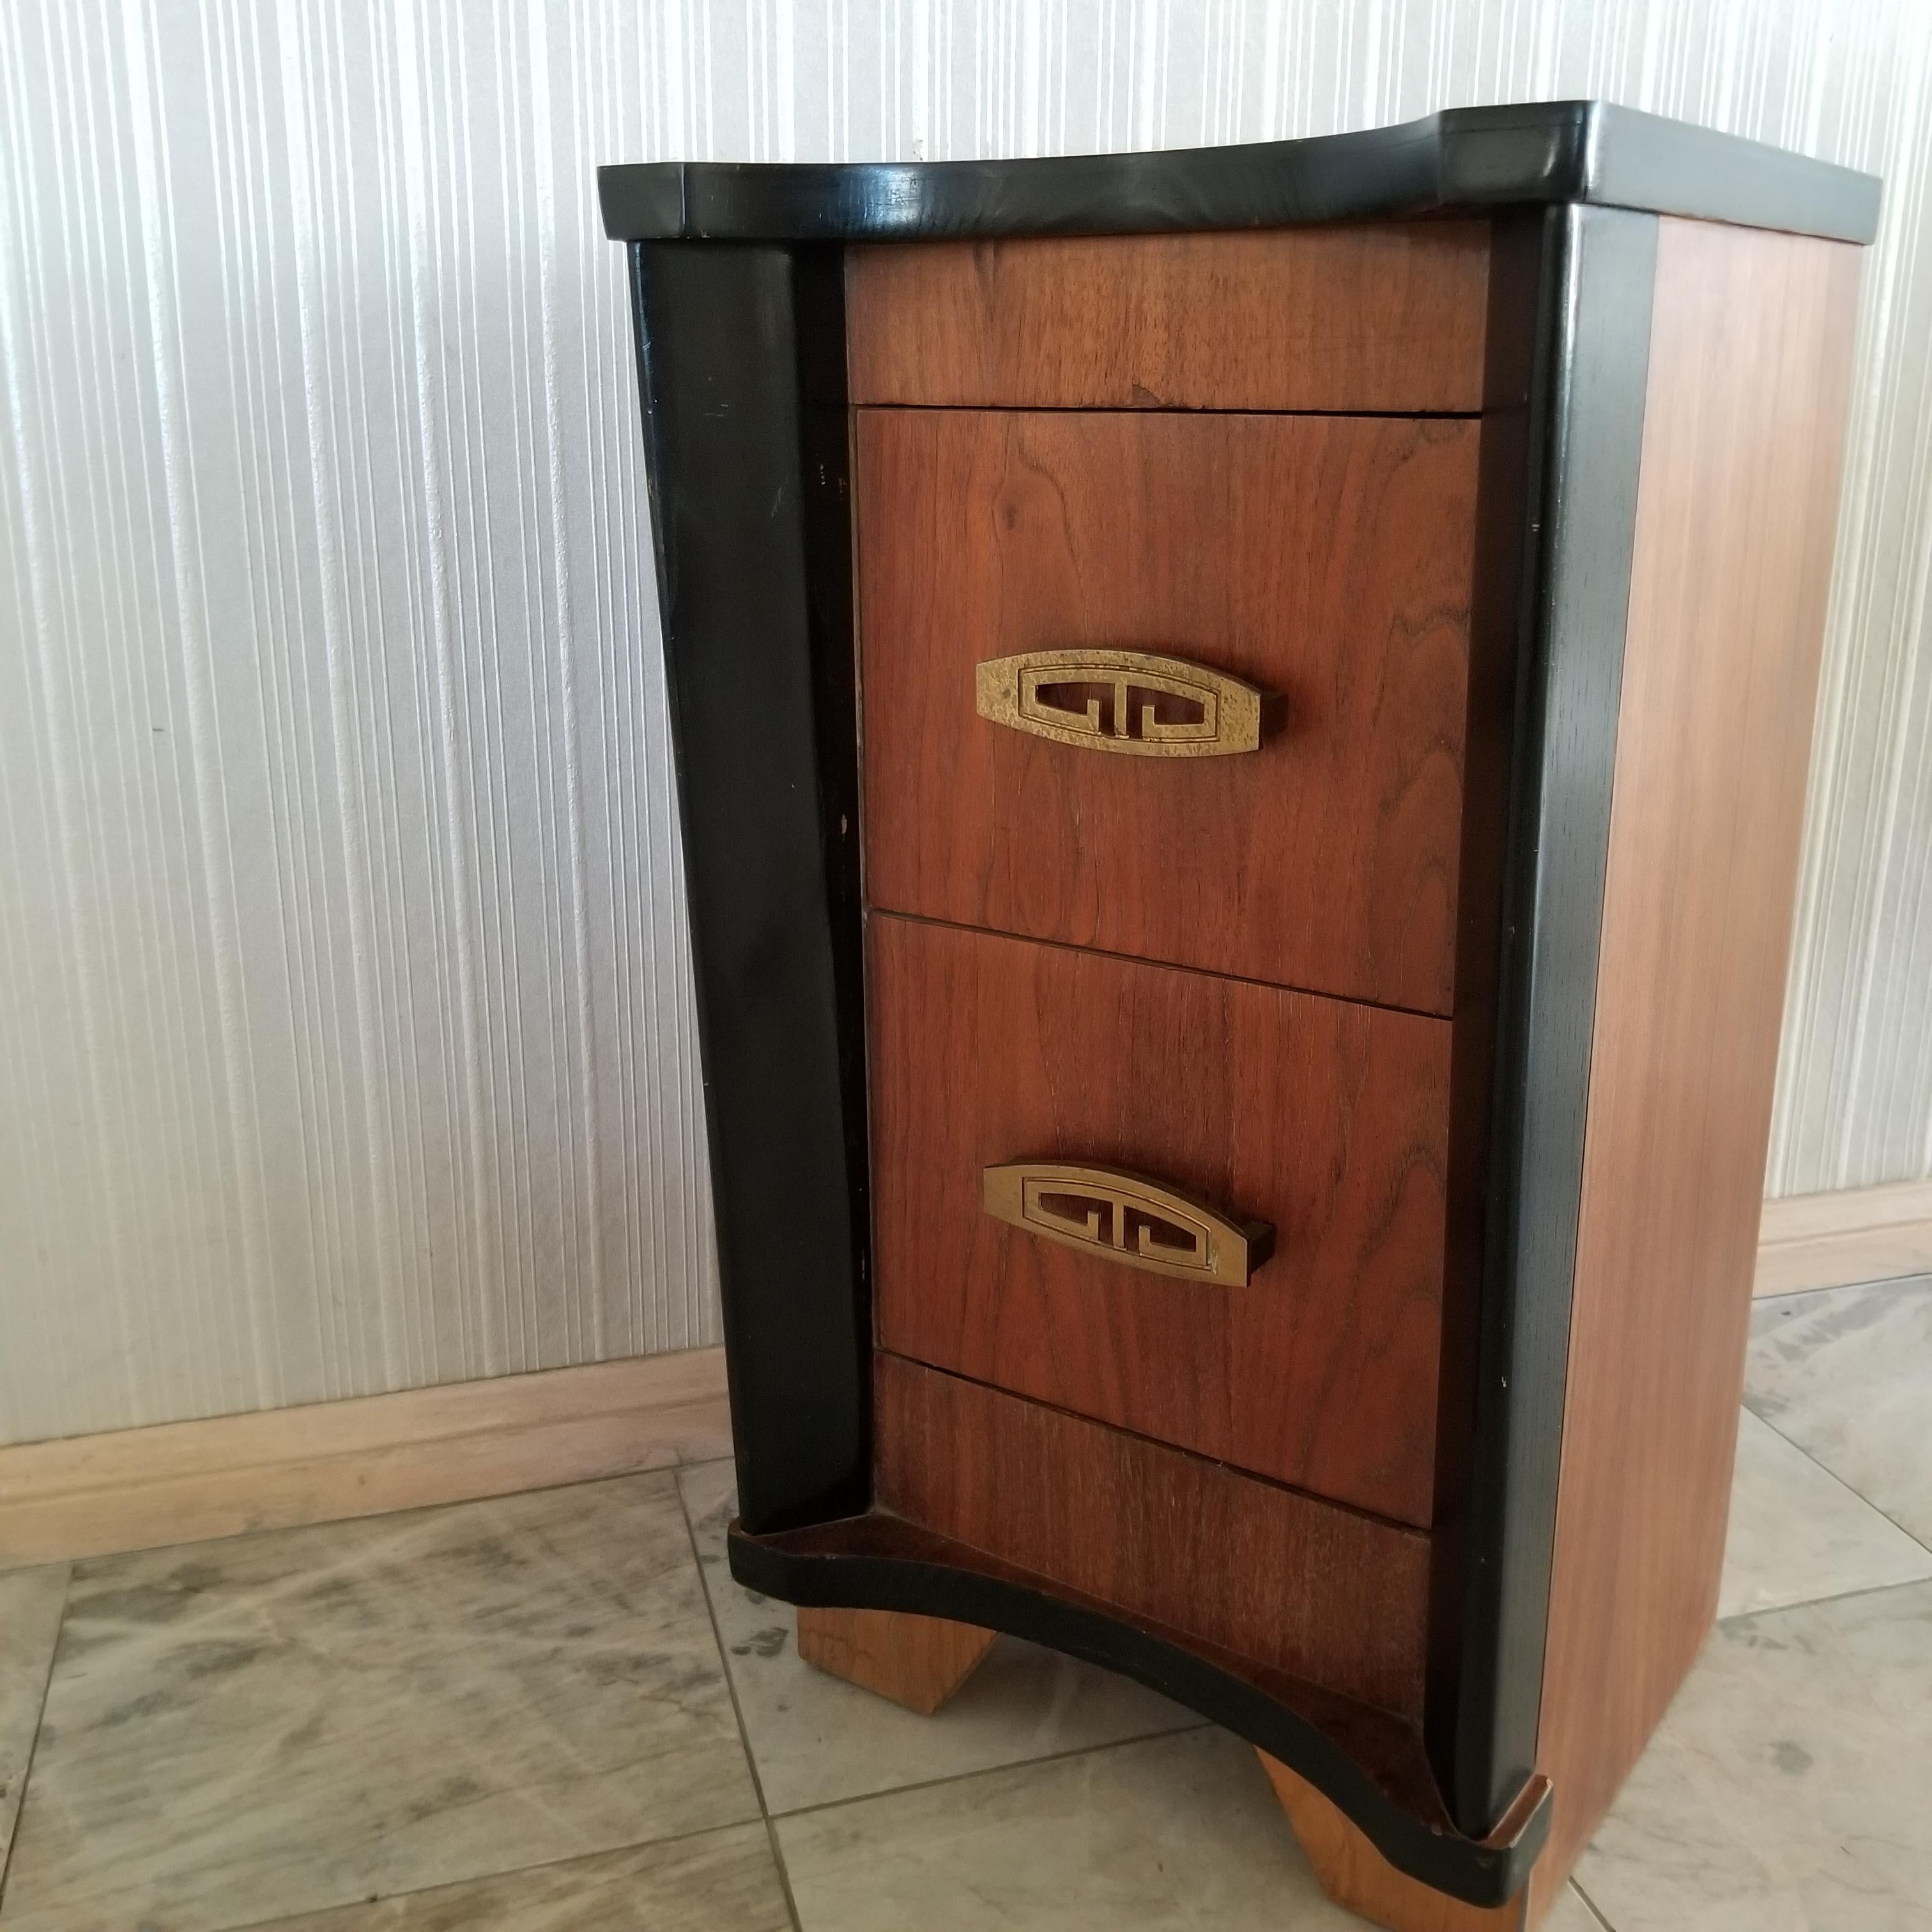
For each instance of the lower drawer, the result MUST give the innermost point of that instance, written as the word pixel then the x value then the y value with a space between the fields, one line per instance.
pixel 1327 1120
pixel 1282 1580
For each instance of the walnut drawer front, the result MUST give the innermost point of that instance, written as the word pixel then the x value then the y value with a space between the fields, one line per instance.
pixel 1327 560
pixel 1326 1120
pixel 1390 316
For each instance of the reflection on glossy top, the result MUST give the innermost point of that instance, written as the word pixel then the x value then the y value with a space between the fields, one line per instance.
pixel 1469 158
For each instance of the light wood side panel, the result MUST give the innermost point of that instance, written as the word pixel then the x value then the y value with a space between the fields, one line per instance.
pixel 1749 359
pixel 1385 317
pixel 1337 1599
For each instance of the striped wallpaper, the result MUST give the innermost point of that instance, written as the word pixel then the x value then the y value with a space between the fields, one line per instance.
pixel 345 1025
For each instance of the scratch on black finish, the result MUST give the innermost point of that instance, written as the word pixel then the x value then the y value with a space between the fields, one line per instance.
pixel 1490 1592
pixel 1469 158
pixel 1365 1761
pixel 741 359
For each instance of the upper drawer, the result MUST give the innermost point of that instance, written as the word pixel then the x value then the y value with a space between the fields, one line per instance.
pixel 1390 316
pixel 1325 559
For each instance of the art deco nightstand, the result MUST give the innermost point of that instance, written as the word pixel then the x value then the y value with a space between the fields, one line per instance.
pixel 1241 720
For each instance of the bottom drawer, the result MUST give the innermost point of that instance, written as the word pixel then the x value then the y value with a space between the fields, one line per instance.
pixel 1326 1120
pixel 1328 1595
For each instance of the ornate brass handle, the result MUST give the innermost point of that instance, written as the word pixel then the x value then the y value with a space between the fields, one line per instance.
pixel 1132 701
pixel 1127 1217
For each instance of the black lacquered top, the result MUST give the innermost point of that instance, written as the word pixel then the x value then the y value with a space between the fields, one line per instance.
pixel 1466 158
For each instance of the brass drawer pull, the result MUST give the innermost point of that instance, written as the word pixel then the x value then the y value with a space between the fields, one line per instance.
pixel 1126 1217
pixel 1132 701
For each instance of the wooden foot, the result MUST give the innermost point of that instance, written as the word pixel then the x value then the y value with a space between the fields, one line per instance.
pixel 1356 1876
pixel 915 1661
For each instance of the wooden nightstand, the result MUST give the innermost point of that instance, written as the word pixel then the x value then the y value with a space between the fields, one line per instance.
pixel 1241 723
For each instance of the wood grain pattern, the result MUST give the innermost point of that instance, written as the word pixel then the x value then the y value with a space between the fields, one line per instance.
pixel 1359 1878
pixel 1855 1234
pixel 1328 560
pixel 1327 1120
pixel 1289 1582
pixel 915 1661
pixel 1744 421
pixel 1386 317
pixel 181 1482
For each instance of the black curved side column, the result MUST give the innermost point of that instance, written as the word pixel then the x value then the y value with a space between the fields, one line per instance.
pixel 741 357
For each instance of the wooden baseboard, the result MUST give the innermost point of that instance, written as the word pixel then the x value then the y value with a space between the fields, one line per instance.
pixel 183 1482
pixel 1858 1233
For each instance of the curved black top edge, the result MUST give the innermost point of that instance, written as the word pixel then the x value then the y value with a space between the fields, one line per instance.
pixel 1464 158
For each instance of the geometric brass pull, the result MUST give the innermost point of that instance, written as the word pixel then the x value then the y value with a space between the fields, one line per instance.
pixel 1136 702
pixel 1113 1214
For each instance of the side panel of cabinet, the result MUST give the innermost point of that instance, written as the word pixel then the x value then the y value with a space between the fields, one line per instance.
pixel 1750 361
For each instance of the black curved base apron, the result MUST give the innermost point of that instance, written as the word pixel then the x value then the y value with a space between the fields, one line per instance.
pixel 1369 1764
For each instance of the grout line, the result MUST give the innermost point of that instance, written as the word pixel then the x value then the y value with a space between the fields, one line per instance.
pixel 1591 1905
pixel 1195 1724
pixel 476 1878
pixel 738 1712
pixel 1839 1287
pixel 308 1914
pixel 34 1742
pixel 1816 1462
pixel 1812 1603
pixel 1761 1297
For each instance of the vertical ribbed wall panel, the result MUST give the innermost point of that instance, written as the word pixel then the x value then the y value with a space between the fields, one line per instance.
pixel 345 1025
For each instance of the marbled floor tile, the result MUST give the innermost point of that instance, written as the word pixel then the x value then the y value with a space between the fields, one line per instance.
pixel 244 1730
pixel 1174 1833
pixel 1845 1373
pixel 30 1617
pixel 816 1740
pixel 725 1881
pixel 1789 1788
pixel 1797 1533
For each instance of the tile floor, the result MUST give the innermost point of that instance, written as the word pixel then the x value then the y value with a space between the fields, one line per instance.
pixel 557 1712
